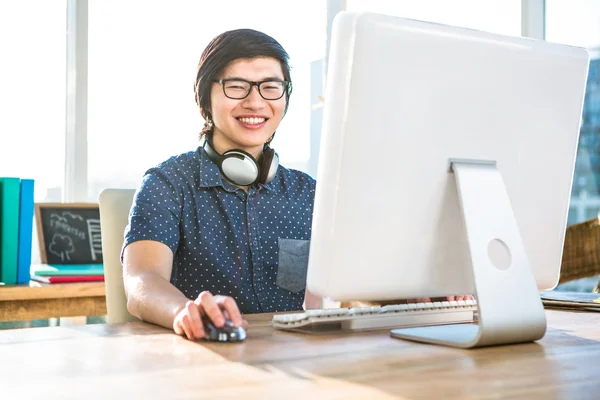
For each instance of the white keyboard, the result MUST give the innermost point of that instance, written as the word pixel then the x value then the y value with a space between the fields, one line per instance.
pixel 379 317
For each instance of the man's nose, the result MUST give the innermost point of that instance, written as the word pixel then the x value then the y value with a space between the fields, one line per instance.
pixel 254 99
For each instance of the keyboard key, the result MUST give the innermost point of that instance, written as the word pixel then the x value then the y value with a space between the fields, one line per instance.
pixel 289 318
pixel 332 312
pixel 365 310
pixel 391 308
pixel 314 313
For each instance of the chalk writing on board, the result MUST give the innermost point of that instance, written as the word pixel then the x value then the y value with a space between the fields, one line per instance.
pixel 95 238
pixel 62 245
pixel 61 222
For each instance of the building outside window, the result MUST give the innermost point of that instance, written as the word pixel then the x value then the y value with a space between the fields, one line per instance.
pixel 577 23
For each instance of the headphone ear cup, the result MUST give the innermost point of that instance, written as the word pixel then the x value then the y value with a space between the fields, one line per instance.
pixel 239 167
pixel 268 165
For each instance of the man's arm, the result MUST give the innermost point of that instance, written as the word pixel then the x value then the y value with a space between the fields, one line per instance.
pixel 150 295
pixel 312 301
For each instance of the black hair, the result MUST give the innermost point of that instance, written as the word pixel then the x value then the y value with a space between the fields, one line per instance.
pixel 230 46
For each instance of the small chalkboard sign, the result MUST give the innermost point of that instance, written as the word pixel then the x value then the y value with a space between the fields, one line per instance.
pixel 69 233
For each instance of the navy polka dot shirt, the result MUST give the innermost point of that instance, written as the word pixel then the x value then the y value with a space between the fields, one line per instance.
pixel 250 246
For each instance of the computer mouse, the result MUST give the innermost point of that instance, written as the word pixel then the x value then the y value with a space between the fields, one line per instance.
pixel 227 333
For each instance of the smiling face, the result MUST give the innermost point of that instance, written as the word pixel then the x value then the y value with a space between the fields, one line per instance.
pixel 248 123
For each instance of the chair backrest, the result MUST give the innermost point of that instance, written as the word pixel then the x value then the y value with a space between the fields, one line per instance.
pixel 115 205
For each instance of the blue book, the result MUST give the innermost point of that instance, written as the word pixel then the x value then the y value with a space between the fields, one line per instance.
pixel 9 229
pixel 25 231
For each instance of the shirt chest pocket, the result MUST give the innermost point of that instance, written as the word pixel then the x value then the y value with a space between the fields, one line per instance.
pixel 292 264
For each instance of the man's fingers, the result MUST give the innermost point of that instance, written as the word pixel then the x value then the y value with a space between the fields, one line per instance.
pixel 185 325
pixel 230 307
pixel 458 298
pixel 195 320
pixel 419 300
pixel 208 305
pixel 177 328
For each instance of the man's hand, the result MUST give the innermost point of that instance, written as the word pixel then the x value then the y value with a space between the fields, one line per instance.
pixel 448 298
pixel 458 298
pixel 216 308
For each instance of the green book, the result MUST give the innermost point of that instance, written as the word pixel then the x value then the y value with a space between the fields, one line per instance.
pixel 10 190
pixel 67 269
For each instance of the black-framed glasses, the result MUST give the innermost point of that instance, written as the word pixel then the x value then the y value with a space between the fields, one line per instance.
pixel 237 89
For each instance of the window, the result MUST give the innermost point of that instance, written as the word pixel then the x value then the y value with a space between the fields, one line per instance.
pixel 497 16
pixel 142 67
pixel 32 99
pixel 577 23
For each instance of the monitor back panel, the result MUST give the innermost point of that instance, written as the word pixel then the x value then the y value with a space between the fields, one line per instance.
pixel 404 97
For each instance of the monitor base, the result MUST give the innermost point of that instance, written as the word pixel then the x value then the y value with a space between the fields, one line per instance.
pixel 510 307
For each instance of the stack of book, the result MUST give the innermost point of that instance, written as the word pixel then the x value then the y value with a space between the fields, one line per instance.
pixel 17 210
pixel 16 229
pixel 63 273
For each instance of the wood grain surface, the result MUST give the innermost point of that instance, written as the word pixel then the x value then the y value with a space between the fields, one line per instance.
pixel 139 360
pixel 41 301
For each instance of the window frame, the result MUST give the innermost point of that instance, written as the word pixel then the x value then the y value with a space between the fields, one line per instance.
pixel 75 187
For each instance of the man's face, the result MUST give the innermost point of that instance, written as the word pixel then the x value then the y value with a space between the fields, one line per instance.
pixel 247 123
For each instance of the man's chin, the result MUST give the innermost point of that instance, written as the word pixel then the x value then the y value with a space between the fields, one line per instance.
pixel 251 141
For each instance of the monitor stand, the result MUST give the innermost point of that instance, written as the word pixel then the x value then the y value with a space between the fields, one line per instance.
pixel 510 307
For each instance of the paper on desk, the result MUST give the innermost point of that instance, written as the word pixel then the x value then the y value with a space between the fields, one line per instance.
pixel 571 300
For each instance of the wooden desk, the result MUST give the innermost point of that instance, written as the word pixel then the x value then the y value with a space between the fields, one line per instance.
pixel 41 301
pixel 138 360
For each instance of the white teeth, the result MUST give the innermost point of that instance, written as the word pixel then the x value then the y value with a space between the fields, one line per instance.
pixel 252 121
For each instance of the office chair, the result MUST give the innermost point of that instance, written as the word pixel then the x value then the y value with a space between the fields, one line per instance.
pixel 581 252
pixel 115 205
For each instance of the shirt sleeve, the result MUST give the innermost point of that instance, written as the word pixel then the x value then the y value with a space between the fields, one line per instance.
pixel 156 210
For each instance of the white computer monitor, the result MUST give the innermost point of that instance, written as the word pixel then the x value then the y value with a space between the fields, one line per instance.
pixel 412 108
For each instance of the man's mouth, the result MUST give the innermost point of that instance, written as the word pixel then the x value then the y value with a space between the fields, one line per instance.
pixel 252 120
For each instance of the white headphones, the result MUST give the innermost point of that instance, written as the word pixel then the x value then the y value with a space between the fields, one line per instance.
pixel 240 167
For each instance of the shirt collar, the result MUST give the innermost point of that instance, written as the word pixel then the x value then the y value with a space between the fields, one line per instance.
pixel 210 175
